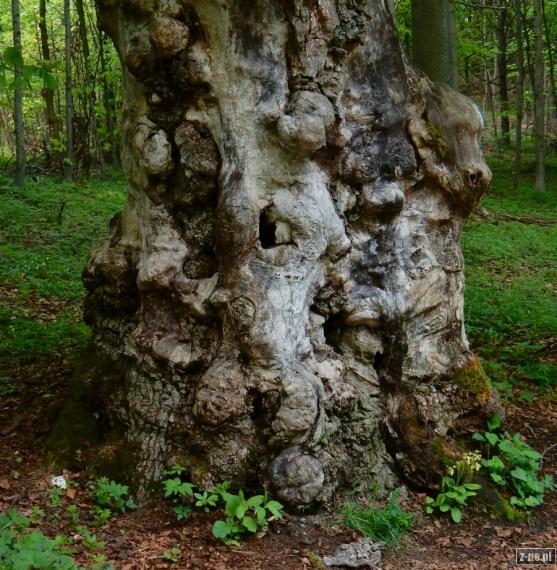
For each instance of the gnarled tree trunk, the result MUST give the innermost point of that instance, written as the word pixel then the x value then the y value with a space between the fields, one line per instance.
pixel 281 300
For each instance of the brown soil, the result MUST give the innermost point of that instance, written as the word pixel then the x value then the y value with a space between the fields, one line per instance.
pixel 137 540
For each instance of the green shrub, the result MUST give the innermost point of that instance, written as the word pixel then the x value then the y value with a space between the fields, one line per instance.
pixel 514 465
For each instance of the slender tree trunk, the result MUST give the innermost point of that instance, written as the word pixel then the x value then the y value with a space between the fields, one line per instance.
pixel 69 161
pixel 491 101
pixel 91 98
pixel 18 99
pixel 54 126
pixel 519 92
pixel 453 43
pixel 539 96
pixel 108 103
pixel 550 55
pixel 501 68
pixel 281 299
pixel 529 61
pixel 431 39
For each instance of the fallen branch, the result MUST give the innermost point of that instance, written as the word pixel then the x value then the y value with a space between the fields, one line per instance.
pixel 483 214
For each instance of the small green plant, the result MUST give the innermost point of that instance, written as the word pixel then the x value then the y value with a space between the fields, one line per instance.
pixel 90 541
pixel 206 500
pixel 244 516
pixel 100 563
pixel 386 523
pixel 55 496
pixel 171 555
pixel 101 516
pixel 72 512
pixel 6 389
pixel 111 494
pixel 514 465
pixel 456 487
pixel 179 491
pixel 182 511
pixel 21 549
pixel 36 515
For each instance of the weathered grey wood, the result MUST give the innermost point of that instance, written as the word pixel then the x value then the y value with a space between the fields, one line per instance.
pixel 281 298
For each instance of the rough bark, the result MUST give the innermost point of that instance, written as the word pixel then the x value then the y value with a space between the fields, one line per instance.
pixel 281 300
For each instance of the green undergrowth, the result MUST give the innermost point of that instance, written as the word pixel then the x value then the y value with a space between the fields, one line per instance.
pixel 46 231
pixel 383 523
pixel 511 276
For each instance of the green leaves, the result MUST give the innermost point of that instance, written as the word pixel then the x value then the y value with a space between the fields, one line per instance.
pixel 456 514
pixel 492 438
pixel 206 500
pixel 21 550
pixel 494 422
pixel 109 494
pixel 176 488
pixel 12 56
pixel 243 515
pixel 182 511
pixel 452 497
pixel 515 467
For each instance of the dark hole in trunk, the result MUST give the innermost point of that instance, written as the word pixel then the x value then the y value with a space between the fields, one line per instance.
pixel 267 229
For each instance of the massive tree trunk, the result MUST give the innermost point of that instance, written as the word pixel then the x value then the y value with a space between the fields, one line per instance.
pixel 281 300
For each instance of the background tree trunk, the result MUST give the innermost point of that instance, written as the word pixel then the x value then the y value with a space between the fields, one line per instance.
pixel 18 99
pixel 539 96
pixel 519 92
pixel 453 43
pixel 281 299
pixel 431 39
pixel 54 126
pixel 501 66
pixel 69 160
pixel 90 79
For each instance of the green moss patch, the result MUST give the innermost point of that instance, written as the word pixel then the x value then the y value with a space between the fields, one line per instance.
pixel 473 380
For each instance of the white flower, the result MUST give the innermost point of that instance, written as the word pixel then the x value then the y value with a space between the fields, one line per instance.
pixel 60 482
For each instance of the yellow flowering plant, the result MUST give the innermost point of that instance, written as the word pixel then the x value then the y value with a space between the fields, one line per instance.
pixel 456 486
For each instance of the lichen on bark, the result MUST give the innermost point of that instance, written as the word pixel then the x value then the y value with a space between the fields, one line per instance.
pixel 283 290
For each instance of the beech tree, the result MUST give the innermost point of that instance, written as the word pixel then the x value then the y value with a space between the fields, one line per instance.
pixel 434 39
pixel 281 299
pixel 18 97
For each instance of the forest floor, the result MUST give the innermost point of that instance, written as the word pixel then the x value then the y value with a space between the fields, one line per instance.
pixel 46 230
